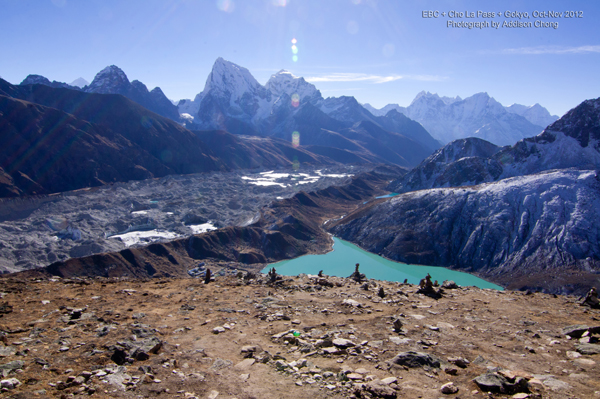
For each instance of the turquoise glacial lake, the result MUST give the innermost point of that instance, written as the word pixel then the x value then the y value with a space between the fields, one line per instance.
pixel 340 262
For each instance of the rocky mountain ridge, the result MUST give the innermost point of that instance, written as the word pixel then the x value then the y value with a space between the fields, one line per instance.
pixel 112 80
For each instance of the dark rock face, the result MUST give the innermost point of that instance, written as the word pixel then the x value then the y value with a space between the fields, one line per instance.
pixel 464 161
pixel 581 123
pixel 41 80
pixel 112 80
pixel 494 382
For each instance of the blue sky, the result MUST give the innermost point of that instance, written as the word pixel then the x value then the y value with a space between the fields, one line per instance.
pixel 377 51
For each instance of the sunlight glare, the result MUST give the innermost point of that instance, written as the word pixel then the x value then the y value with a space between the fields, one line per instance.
pixel 225 5
pixel 296 138
pixel 295 100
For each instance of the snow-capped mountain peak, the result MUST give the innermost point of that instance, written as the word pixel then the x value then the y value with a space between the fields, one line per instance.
pixel 109 80
pixel 284 82
pixel 234 80
pixel 535 113
pixel 80 82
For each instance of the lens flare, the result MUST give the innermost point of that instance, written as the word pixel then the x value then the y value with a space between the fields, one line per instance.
pixel 294 49
pixel 296 139
pixel 295 100
pixel 388 50
pixel 295 58
pixel 225 5
pixel 294 41
pixel 352 27
pixel 279 3
pixel 296 166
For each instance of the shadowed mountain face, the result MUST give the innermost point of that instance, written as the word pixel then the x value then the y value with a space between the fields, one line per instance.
pixel 112 80
pixel 59 139
pixel 47 150
pixel 249 152
pixel 63 139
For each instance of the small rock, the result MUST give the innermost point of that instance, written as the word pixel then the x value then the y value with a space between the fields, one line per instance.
pixel 244 364
pixel 218 330
pixel 343 343
pixel 10 383
pixel 449 388
pixel 354 376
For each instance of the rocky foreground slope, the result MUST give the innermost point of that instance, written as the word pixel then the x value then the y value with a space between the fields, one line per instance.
pixel 304 337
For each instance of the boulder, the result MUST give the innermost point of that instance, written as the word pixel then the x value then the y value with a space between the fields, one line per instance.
pixel 416 359
pixel 380 389
pixel 588 349
pixel 494 382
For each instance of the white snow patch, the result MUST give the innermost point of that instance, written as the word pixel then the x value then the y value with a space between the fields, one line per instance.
pixel 202 228
pixel 136 237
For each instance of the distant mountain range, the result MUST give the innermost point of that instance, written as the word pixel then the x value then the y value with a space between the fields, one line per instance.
pixel 234 101
pixel 58 139
pixel 480 115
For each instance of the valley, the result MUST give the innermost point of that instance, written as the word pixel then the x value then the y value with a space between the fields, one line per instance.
pixel 37 231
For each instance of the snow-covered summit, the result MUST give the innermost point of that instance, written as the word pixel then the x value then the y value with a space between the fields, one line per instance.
pixel 231 80
pixel 230 90
pixel 111 79
pixel 535 114
pixel 79 82
pixel 284 82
